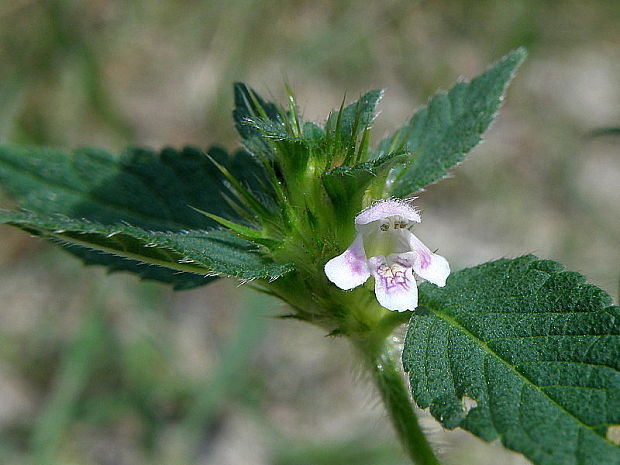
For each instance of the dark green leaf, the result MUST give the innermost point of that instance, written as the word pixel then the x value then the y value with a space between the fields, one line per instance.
pixel 143 188
pixel 440 134
pixel 197 252
pixel 151 191
pixel 520 350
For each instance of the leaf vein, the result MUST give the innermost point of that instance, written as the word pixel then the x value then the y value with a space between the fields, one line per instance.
pixel 513 367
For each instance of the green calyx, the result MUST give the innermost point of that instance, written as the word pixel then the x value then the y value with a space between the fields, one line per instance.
pixel 319 179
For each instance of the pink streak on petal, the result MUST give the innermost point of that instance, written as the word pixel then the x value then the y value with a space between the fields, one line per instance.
pixel 395 286
pixel 429 266
pixel 349 269
pixel 424 259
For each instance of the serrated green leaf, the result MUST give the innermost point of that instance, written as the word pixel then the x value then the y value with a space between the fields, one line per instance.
pixel 520 350
pixel 141 187
pixel 441 133
pixel 151 191
pixel 198 252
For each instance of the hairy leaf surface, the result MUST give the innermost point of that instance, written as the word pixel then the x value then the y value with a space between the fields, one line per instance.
pixel 148 190
pixel 441 133
pixel 195 252
pixel 521 350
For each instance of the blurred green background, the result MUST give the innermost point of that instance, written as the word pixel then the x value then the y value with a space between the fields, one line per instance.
pixel 104 369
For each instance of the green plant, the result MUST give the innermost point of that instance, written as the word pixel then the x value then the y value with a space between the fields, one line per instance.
pixel 516 348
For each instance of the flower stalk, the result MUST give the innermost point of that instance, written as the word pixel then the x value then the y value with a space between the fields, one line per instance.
pixel 381 362
pixel 325 182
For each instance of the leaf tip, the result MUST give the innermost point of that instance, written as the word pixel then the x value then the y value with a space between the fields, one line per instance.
pixel 517 56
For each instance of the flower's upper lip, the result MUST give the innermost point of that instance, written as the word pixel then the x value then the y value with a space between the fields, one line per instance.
pixel 385 209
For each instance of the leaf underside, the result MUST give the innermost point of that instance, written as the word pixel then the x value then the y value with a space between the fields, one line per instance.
pixel 441 133
pixel 198 252
pixel 93 198
pixel 521 350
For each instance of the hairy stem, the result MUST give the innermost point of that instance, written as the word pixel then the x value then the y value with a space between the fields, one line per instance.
pixel 382 363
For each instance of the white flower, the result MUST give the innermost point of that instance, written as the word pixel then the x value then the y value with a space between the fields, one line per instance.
pixel 385 248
